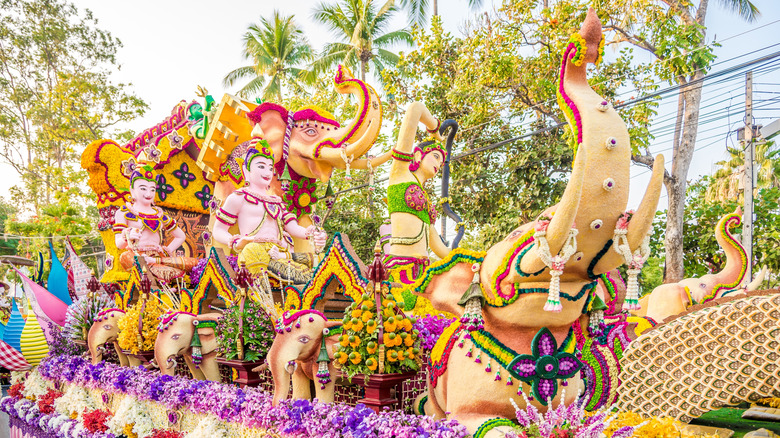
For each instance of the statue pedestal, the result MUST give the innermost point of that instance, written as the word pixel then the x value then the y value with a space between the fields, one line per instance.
pixel 246 377
pixel 379 389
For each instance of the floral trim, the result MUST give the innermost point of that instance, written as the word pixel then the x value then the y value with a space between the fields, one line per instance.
pixel 455 256
pixel 503 271
pixel 729 221
pixel 574 52
pixel 517 291
pixel 600 56
pixel 601 356
pixel 491 424
pixel 440 353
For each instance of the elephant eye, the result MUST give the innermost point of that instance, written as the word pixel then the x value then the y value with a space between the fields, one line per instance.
pixel 310 131
pixel 175 337
pixel 304 339
pixel 702 285
pixel 108 327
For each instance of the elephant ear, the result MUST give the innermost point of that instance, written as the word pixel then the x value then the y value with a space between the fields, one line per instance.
pixel 445 282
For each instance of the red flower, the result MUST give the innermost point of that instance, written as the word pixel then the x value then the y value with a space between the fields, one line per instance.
pixel 164 433
pixel 95 421
pixel 16 390
pixel 46 401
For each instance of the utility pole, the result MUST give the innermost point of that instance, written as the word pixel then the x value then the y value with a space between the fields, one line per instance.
pixel 747 224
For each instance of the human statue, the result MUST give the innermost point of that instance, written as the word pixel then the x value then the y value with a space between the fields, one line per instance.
pixel 412 214
pixel 265 226
pixel 139 227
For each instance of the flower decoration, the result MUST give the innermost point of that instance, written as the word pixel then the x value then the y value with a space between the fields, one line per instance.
pixel 206 240
pixel 82 314
pixel 214 204
pixel 163 188
pixel 153 153
pixel 176 140
pixel 184 175
pixel 258 332
pixel 95 421
pixel 46 401
pixel 109 261
pixel 300 198
pixel 359 350
pixel 128 167
pixel 204 196
pixel 544 366
pixel 129 337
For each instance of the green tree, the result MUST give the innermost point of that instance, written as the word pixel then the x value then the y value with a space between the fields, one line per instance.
pixel 362 27
pixel 7 247
pixel 700 249
pixel 277 49
pixel 498 81
pixel 674 32
pixel 418 9
pixel 57 96
pixel 728 178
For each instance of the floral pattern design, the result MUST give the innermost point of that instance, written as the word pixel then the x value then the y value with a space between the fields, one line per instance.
pixel 544 366
pixel 204 196
pixel 184 175
pixel 163 188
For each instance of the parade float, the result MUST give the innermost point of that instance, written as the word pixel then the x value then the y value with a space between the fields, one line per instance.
pixel 226 310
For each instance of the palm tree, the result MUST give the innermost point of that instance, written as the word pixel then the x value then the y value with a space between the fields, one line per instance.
pixel 362 27
pixel 276 48
pixel 727 181
pixel 418 9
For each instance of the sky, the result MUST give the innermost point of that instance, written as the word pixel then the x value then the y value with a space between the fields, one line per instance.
pixel 171 47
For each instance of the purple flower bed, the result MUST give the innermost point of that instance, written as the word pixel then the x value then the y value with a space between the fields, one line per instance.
pixel 24 414
pixel 251 407
pixel 197 271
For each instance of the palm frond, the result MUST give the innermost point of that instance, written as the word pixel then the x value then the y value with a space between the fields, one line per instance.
pixel 744 8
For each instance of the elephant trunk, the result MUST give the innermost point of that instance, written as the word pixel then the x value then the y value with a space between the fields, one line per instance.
pixel 282 361
pixel 362 132
pixel 736 259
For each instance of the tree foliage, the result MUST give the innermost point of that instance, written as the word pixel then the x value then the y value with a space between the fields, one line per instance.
pixel 498 81
pixel 277 50
pixel 365 40
pixel 57 96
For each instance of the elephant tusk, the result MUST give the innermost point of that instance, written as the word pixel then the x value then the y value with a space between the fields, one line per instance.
pixel 641 221
pixel 292 364
pixel 333 155
pixel 563 219
pixel 171 362
pixel 375 162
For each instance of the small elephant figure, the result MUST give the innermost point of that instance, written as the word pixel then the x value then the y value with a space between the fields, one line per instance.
pixel 299 342
pixel 191 336
pixel 106 330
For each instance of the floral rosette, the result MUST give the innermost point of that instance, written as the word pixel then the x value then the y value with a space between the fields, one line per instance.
pixel 258 332
pixel 129 336
pixel 358 350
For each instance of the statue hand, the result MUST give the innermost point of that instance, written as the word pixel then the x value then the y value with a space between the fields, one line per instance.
pixel 318 236
pixel 134 234
pixel 149 260
pixel 275 254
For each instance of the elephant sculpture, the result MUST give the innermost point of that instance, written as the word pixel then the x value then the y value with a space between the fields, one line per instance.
pixel 303 347
pixel 307 144
pixel 191 336
pixel 671 299
pixel 106 330
pixel 525 294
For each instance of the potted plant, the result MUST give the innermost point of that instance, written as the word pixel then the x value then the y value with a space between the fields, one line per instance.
pixel 138 328
pixel 244 338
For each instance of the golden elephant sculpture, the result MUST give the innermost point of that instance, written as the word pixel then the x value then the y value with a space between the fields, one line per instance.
pixel 515 340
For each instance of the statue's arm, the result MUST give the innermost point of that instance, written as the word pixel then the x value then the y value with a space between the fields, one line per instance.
pixel 120 224
pixel 178 239
pixel 227 215
pixel 436 244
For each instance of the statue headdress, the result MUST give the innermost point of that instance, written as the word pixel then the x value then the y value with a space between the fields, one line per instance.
pixel 144 172
pixel 259 148
pixel 426 148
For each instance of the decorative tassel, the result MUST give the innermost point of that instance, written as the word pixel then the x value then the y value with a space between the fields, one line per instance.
pixel 347 162
pixel 596 315
pixel 509 381
pixel 634 260
pixel 468 353
pixel 285 178
pixel 323 374
pixel 197 354
pixel 498 376
pixel 473 300
pixel 330 196
pixel 556 263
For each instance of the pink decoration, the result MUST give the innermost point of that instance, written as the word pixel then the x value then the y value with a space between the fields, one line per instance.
pixel 45 305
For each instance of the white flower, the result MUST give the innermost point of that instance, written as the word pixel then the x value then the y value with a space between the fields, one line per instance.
pixel 35 385
pixel 208 427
